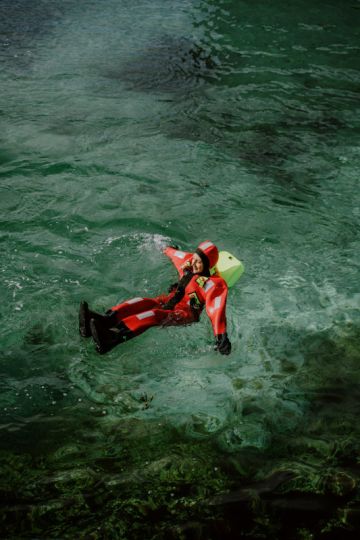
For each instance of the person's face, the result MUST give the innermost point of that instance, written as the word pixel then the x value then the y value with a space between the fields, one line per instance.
pixel 197 264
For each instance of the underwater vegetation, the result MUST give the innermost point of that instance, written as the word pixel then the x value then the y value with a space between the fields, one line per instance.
pixel 129 477
pixel 188 491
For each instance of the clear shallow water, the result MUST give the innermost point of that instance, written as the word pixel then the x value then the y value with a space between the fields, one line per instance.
pixel 126 126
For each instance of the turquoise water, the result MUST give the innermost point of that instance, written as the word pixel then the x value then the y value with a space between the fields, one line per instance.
pixel 130 125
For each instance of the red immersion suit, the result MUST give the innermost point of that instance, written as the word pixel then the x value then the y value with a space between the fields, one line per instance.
pixel 139 314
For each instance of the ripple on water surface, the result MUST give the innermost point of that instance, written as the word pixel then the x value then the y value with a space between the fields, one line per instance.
pixel 128 126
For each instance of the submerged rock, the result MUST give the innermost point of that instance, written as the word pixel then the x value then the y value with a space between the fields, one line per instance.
pixel 80 477
pixel 69 452
pixel 339 483
pixel 249 490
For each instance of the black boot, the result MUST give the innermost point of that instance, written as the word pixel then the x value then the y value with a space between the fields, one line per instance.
pixel 105 338
pixel 85 315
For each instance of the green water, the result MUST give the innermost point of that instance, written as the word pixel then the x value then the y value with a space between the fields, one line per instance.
pixel 126 126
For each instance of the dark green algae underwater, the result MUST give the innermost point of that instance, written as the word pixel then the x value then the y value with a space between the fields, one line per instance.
pixel 130 125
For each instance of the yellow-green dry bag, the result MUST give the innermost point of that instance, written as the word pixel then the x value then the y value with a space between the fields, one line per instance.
pixel 229 268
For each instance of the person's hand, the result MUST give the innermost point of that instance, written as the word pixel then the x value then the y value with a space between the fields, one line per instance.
pixel 222 344
pixel 194 304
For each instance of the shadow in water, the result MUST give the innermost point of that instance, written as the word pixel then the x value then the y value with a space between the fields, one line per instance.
pixel 168 64
pixel 276 138
pixel 22 25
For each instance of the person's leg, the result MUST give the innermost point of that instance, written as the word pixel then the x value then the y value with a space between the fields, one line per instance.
pixel 140 322
pixel 114 315
pixel 127 327
pixel 86 314
pixel 134 306
pixel 107 337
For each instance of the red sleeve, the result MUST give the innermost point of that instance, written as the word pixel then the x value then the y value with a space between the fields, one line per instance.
pixel 215 301
pixel 178 258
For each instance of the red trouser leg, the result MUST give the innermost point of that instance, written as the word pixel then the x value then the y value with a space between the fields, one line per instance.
pixel 139 314
pixel 157 317
pixel 136 305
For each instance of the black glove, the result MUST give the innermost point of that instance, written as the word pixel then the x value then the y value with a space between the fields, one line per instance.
pixel 222 344
pixel 194 304
pixel 173 287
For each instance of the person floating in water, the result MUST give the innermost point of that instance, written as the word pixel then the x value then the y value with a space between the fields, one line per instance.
pixel 199 286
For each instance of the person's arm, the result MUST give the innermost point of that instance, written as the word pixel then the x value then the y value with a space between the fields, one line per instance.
pixel 177 257
pixel 216 295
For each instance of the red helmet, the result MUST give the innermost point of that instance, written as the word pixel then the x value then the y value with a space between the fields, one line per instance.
pixel 209 253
